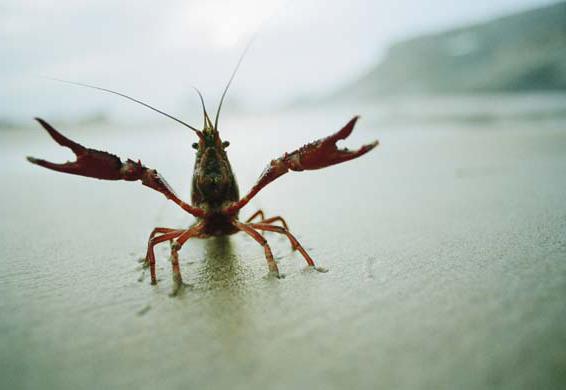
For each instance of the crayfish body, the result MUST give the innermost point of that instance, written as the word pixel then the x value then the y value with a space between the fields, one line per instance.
pixel 215 198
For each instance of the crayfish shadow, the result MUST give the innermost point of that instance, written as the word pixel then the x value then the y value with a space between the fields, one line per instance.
pixel 221 267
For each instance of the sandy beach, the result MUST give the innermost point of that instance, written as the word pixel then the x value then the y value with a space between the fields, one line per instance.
pixel 445 247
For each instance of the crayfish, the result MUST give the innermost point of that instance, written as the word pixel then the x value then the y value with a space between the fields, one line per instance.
pixel 215 198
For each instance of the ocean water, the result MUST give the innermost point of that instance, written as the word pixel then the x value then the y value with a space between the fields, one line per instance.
pixel 446 251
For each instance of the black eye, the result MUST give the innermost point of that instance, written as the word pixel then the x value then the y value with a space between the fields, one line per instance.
pixel 225 144
pixel 195 146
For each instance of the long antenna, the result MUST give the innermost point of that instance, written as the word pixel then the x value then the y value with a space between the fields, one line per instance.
pixel 129 98
pixel 230 81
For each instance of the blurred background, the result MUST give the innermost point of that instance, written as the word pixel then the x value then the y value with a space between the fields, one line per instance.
pixel 445 245
pixel 305 52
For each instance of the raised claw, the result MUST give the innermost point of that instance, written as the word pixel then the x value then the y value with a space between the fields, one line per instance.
pixel 316 155
pixel 324 152
pixel 90 162
pixel 107 166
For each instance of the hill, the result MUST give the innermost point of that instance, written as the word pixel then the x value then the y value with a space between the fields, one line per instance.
pixel 521 52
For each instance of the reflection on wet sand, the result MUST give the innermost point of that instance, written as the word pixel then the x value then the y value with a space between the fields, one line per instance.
pixel 222 268
pixel 225 279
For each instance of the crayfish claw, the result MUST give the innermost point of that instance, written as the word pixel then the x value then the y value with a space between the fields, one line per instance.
pixel 106 166
pixel 60 138
pixel 68 167
pixel 318 154
pixel 345 131
pixel 324 152
pixel 90 162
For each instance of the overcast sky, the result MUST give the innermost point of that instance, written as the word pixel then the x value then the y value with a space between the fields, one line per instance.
pixel 156 53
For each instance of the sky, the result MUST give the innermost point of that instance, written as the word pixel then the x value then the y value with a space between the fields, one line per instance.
pixel 301 48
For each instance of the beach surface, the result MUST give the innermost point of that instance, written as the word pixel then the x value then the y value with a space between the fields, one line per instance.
pixel 445 249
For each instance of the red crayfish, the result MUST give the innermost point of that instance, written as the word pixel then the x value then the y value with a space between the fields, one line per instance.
pixel 215 199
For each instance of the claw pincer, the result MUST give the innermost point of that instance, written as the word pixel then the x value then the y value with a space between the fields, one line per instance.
pixel 316 155
pixel 107 166
pixel 324 152
pixel 90 162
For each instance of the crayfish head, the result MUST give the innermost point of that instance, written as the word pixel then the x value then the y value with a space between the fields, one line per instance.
pixel 213 179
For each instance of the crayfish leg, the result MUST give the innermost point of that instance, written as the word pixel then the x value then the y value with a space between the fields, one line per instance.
pixel 270 221
pixel 294 242
pixel 150 256
pixel 271 264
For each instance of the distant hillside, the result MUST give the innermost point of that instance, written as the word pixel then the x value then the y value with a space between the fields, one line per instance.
pixel 521 52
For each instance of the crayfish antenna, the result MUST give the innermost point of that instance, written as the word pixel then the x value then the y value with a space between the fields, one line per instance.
pixel 131 99
pixel 230 81
pixel 207 122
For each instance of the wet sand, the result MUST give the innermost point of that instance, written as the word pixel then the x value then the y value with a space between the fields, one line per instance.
pixel 446 251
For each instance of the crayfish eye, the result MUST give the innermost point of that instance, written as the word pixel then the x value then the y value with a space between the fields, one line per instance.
pixel 195 146
pixel 225 144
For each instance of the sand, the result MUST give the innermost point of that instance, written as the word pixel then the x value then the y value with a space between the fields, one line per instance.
pixel 446 251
